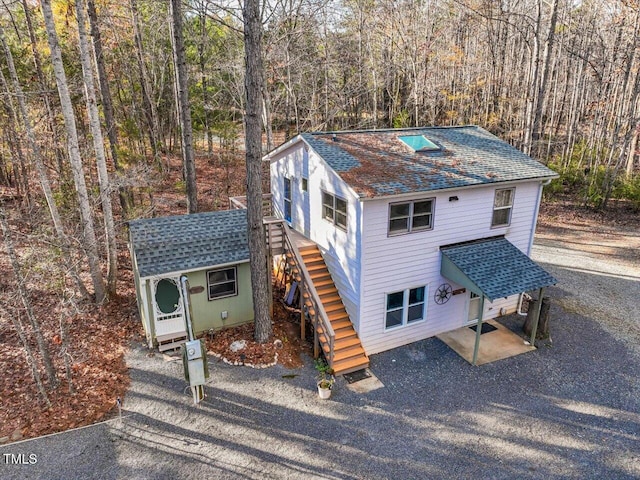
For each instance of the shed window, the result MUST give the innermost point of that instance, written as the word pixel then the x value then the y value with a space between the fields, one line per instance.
pixel 410 216
pixel 167 296
pixel 334 209
pixel 502 207
pixel 405 307
pixel 222 283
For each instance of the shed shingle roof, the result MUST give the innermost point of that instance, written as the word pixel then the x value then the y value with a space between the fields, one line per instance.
pixel 189 242
pixel 497 267
pixel 377 163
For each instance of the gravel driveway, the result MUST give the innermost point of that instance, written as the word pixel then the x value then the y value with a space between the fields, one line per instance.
pixel 569 410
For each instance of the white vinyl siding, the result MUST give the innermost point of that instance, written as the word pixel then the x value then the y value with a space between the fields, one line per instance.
pixel 467 219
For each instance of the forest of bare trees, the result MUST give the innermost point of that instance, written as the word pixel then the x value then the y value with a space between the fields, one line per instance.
pixel 94 97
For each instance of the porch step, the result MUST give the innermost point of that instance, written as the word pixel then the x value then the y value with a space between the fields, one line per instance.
pixel 327 290
pixel 341 344
pixel 339 334
pixel 348 352
pixel 316 268
pixel 344 323
pixel 324 281
pixel 338 316
pixel 328 298
pixel 171 341
pixel 352 364
pixel 333 307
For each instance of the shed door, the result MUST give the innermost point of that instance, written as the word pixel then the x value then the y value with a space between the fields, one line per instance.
pixel 168 307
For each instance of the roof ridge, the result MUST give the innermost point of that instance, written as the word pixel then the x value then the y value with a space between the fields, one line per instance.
pixel 386 130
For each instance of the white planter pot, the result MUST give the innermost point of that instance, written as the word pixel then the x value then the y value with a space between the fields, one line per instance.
pixel 324 393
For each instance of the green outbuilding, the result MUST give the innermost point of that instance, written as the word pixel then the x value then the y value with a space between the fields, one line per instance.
pixel 211 250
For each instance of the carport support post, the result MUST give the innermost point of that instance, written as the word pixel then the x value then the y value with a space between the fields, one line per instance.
pixel 478 331
pixel 536 317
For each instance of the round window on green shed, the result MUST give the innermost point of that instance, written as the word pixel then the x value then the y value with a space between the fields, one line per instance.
pixel 167 296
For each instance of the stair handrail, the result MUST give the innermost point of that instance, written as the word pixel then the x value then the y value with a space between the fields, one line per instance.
pixel 313 294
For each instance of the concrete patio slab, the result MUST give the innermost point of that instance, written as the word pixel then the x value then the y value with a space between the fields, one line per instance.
pixel 496 345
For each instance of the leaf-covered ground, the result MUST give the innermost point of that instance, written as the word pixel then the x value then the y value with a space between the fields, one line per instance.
pixel 99 336
pixel 285 344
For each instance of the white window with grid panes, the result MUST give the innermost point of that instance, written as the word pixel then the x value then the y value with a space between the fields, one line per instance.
pixel 407 217
pixel 502 207
pixel 334 210
pixel 405 307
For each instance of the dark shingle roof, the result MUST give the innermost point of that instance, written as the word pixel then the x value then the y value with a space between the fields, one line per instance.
pixel 189 242
pixel 497 267
pixel 376 163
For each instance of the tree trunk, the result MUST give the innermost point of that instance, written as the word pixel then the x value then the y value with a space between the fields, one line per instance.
pixel 534 81
pixel 542 87
pixel 24 298
pixel 44 85
pixel 184 111
pixel 40 168
pixel 253 143
pixel 98 145
pixel 149 107
pixel 89 241
pixel 125 194
pixel 202 63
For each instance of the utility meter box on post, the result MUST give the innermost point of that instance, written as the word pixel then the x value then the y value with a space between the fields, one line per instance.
pixel 194 359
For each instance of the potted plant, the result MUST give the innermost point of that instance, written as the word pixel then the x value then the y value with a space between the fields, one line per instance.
pixel 325 378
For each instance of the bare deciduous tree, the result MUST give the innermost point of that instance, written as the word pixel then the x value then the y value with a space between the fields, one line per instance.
pixel 89 240
pixel 183 107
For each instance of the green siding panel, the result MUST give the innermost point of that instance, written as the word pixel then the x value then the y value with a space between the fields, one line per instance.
pixel 206 314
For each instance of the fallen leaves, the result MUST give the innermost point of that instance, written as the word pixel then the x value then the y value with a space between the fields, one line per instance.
pixel 285 342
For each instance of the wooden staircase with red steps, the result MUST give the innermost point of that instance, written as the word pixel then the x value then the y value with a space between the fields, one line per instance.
pixel 348 354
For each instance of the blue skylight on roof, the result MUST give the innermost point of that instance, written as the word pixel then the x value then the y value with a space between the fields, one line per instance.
pixel 418 143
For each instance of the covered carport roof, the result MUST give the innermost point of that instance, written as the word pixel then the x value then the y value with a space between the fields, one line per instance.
pixel 493 268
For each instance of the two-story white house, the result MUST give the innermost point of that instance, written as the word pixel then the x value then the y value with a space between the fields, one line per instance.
pixel 423 230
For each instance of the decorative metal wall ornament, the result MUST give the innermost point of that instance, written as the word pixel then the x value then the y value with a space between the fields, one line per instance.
pixel 443 294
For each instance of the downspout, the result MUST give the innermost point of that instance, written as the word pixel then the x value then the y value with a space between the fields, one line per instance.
pixel 184 286
pixel 519 311
pixel 149 310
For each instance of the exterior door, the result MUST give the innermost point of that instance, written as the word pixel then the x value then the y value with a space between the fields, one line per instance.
pixel 473 313
pixel 168 307
pixel 287 199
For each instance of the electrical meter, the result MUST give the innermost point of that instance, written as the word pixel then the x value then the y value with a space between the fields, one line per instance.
pixel 195 369
pixel 194 349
